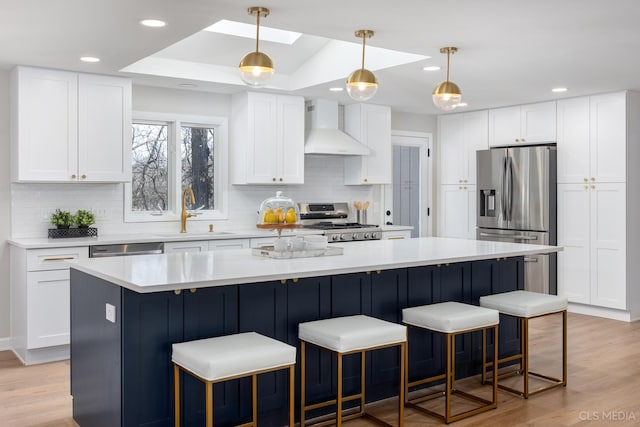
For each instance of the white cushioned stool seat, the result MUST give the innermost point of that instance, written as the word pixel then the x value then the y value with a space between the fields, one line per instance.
pixel 351 333
pixel 524 303
pixel 450 317
pixel 228 356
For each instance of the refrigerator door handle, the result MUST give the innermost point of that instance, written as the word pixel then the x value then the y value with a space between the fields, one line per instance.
pixel 509 180
pixel 509 236
pixel 503 197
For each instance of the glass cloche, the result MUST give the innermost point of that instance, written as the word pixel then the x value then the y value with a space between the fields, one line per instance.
pixel 278 212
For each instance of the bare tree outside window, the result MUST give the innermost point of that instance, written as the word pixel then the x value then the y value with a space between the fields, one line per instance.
pixel 150 185
pixel 197 149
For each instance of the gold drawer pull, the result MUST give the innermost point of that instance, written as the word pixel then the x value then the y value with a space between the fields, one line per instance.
pixel 395 238
pixel 59 259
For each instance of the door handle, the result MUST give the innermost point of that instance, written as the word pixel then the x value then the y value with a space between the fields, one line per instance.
pixel 509 236
pixel 530 259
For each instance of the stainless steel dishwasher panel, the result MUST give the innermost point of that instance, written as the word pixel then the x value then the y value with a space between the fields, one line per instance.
pixel 126 249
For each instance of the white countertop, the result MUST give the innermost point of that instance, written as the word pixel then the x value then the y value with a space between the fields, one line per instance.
pixel 154 273
pixel 43 242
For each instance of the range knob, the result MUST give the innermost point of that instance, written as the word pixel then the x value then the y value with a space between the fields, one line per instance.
pixel 335 237
pixel 343 237
pixel 374 235
pixel 366 236
pixel 355 236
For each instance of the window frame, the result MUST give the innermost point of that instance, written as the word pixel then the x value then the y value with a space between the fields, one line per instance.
pixel 174 123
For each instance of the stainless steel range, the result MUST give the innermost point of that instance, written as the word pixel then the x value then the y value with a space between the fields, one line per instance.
pixel 333 219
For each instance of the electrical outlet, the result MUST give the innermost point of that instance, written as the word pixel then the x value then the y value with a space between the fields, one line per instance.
pixel 110 313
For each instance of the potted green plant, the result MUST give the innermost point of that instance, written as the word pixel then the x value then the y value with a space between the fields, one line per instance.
pixel 61 219
pixel 84 218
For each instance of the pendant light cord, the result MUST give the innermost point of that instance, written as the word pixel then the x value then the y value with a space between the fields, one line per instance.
pixel 364 38
pixel 448 60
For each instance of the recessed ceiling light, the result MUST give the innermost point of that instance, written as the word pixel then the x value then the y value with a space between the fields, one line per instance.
pixel 89 59
pixel 336 89
pixel 559 89
pixel 431 68
pixel 154 23
pixel 187 85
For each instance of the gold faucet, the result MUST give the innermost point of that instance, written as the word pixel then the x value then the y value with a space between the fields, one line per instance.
pixel 184 214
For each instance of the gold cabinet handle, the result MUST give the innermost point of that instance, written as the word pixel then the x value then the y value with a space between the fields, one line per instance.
pixel 459 181
pixel 59 259
pixel 83 176
pixel 593 186
pixel 280 179
pixel 585 179
pixel 73 176
pixel 586 187
pixel 283 281
pixel 521 140
pixel 273 179
pixel 517 140
pixel 295 280
pixel 366 180
pixel 192 290
pixel 464 180
pixel 177 291
pixel 593 179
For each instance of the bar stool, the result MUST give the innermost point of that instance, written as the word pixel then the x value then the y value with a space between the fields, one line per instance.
pixel 225 358
pixel 451 319
pixel 349 335
pixel 524 305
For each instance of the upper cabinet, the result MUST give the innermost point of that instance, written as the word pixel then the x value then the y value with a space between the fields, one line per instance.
pixel 525 124
pixel 592 139
pixel 267 139
pixel 69 127
pixel 459 137
pixel 371 125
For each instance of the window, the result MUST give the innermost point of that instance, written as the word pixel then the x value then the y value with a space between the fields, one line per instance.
pixel 170 153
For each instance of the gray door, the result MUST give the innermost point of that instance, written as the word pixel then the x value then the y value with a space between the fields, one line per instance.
pixel 406 187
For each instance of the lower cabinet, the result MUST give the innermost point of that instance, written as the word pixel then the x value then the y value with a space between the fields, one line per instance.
pixel 121 373
pixel 457 215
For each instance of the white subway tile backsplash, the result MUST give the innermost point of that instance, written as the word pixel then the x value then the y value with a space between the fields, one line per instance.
pixel 32 204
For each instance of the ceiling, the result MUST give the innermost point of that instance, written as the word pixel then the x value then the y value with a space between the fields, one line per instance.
pixel 510 51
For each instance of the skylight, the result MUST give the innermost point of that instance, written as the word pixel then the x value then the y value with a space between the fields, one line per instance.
pixel 240 29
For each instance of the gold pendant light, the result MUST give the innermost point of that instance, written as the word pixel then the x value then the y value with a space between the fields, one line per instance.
pixel 447 95
pixel 362 84
pixel 256 68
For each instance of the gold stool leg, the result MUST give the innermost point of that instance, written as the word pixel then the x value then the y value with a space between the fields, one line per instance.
pixel 339 397
pixel 254 400
pixel 448 382
pixel 525 354
pixel 495 361
pixel 292 390
pixel 209 405
pixel 176 395
pixel 484 357
pixel 302 382
pixel 362 382
pixel 564 348
pixel 401 389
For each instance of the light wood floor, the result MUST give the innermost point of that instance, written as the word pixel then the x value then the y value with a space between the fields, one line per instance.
pixel 603 389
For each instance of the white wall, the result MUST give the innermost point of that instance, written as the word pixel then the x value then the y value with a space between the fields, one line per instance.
pixel 414 122
pixel 5 209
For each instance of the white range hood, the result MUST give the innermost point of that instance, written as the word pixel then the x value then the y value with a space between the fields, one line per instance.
pixel 324 137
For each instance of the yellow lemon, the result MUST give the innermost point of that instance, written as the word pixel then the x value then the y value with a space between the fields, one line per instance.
pixel 290 217
pixel 280 215
pixel 268 216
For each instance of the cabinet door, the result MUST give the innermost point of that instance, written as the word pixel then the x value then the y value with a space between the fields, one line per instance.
pixel 608 254
pixel 222 244
pixel 476 137
pixel 452 149
pixel 290 137
pixel 504 126
pixel 262 139
pixel 457 211
pixel 104 128
pixel 573 140
pixel 538 123
pixel 44 124
pixel 608 137
pixel 371 125
pixel 174 247
pixel 48 313
pixel 573 235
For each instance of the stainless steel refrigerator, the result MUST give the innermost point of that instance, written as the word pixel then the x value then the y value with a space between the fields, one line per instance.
pixel 517 203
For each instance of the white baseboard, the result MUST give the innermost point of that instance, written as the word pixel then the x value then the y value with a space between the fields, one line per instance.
pixel 608 313
pixel 5 343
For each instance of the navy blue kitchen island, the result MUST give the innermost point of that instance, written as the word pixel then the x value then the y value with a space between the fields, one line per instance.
pixel 121 372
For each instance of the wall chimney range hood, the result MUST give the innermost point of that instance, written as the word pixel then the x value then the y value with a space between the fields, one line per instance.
pixel 324 137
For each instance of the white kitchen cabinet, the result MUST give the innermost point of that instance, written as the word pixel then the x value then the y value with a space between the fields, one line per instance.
pixel 396 235
pixel 459 137
pixel 592 230
pixel 69 127
pixel 457 213
pixel 267 139
pixel 191 246
pixel 592 139
pixel 524 124
pixel 371 125
pixel 40 302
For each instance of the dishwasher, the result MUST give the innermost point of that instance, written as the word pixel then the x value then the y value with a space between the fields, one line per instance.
pixel 127 249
